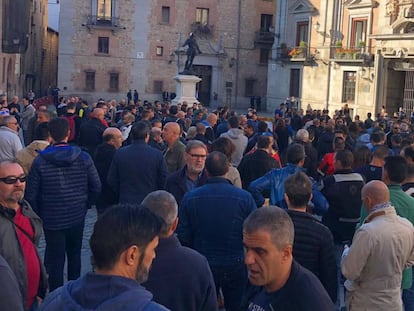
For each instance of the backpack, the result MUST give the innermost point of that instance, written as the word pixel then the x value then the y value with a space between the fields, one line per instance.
pixel 71 120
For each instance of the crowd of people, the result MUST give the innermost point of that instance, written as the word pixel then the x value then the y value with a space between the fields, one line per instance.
pixel 202 210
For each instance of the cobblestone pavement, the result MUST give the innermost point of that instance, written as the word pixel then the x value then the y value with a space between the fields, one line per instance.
pixel 86 253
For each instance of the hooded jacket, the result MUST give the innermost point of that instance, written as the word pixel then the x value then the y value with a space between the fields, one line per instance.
pixel 239 140
pixel 60 182
pixel 101 293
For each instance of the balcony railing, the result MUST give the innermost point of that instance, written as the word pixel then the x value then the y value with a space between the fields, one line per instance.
pixel 202 30
pixel 263 37
pixel 351 54
pixel 96 21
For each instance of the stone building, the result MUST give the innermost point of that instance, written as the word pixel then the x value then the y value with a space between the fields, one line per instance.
pixel 354 52
pixel 49 61
pixel 110 46
pixel 24 27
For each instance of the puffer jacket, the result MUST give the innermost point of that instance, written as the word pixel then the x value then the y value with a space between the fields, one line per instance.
pixel 61 181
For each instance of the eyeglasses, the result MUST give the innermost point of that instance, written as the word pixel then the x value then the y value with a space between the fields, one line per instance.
pixel 14 123
pixel 11 180
pixel 197 156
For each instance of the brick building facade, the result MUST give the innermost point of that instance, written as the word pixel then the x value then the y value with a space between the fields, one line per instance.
pixel 110 46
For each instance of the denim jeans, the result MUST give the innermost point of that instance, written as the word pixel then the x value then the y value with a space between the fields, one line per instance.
pixel 58 243
pixel 408 297
pixel 232 281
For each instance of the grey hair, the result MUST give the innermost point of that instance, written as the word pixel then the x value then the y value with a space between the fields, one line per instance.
pixel 273 220
pixel 302 135
pixel 164 205
pixel 192 144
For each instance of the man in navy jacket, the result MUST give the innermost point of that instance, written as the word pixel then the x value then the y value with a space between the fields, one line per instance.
pixel 137 169
pixel 211 220
pixel 180 278
pixel 61 185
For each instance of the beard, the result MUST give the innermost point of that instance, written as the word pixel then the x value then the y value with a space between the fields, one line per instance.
pixel 16 196
pixel 142 274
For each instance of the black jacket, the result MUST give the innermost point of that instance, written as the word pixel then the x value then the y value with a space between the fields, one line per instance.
pixel 180 278
pixel 255 165
pixel 103 159
pixel 302 292
pixel 314 249
pixel 90 135
pixel 343 192
pixel 136 170
pixel 177 186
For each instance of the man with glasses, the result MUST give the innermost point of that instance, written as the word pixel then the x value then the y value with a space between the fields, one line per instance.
pixel 20 231
pixel 394 130
pixel 10 142
pixel 192 174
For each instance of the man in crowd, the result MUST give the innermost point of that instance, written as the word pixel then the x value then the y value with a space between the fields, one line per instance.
pixel 237 137
pixel 257 164
pixel 343 192
pixel 20 231
pixel 174 153
pixel 74 122
pixel 373 170
pixel 27 113
pixel 10 142
pixel 313 245
pixel 276 280
pixel 192 174
pixel 180 278
pixel 393 175
pixel 27 155
pixel 112 140
pixel 274 181
pixel 91 131
pixel 62 182
pixel 372 283
pixel 123 246
pixel 220 203
pixel 137 169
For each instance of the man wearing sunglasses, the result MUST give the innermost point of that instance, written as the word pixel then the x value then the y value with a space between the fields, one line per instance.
pixel 20 231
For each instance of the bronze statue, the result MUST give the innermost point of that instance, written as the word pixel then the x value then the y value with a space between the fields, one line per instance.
pixel 192 51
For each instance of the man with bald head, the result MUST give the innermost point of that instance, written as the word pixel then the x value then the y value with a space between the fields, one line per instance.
pixel 381 248
pixel 91 132
pixel 174 153
pixel 112 140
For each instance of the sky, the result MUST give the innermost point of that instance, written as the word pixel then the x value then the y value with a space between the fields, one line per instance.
pixel 53 7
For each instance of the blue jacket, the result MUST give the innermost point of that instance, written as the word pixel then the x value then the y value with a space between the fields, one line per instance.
pixel 60 183
pixel 137 170
pixel 180 278
pixel 211 221
pixel 101 293
pixel 274 182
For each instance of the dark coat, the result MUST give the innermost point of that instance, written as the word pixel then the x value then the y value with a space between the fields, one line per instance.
pixel 180 278
pixel 90 135
pixel 177 186
pixel 255 165
pixel 103 159
pixel 61 183
pixel 205 215
pixel 314 249
pixel 301 292
pixel 137 170
pixel 343 192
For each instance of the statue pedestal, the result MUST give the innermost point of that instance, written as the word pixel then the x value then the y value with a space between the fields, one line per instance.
pixel 186 89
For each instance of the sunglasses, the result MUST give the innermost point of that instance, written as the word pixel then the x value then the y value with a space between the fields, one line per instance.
pixel 10 180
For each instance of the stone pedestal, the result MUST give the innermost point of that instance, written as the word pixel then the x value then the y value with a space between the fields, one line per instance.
pixel 186 89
